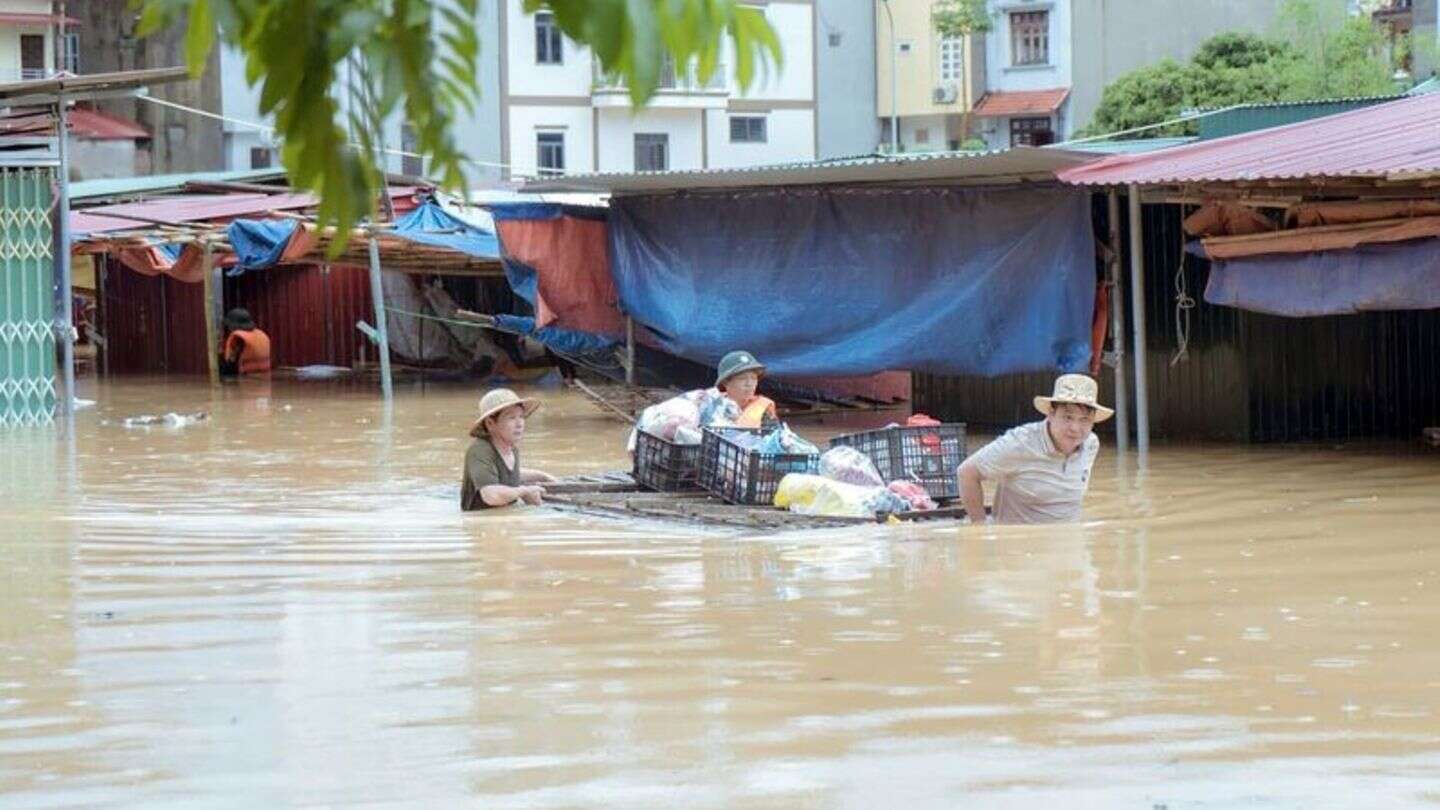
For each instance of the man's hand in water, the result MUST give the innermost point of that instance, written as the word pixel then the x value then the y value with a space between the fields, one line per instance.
pixel 532 495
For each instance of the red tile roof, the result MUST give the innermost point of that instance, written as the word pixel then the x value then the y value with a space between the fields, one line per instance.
pixel 1028 102
pixel 1390 140
pixel 98 126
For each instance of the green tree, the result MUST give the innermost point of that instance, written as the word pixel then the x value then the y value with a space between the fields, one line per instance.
pixel 1317 52
pixel 960 18
pixel 420 58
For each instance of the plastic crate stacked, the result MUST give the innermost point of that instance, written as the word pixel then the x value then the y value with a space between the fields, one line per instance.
pixel 665 466
pixel 928 455
pixel 737 474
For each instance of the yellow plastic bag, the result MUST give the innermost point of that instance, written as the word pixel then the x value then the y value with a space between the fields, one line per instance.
pixel 816 495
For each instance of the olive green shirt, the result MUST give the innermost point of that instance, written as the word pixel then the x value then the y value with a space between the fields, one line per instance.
pixel 483 468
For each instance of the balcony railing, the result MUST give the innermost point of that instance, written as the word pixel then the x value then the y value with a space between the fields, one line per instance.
pixel 30 74
pixel 671 80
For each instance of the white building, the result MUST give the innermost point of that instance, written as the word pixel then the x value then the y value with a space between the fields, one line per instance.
pixel 546 107
pixel 28 29
pixel 558 113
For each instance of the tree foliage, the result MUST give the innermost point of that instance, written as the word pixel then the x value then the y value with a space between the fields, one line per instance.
pixel 958 18
pixel 323 67
pixel 1315 53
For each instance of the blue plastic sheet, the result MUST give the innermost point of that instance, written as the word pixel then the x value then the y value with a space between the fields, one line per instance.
pixel 259 243
pixel 1339 282
pixel 857 281
pixel 432 225
pixel 563 341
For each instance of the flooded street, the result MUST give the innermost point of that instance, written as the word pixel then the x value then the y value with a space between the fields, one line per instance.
pixel 282 606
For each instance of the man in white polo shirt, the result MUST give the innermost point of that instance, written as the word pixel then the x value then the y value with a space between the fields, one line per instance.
pixel 1040 470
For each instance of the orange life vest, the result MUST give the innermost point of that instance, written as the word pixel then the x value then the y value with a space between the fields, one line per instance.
pixel 754 413
pixel 250 348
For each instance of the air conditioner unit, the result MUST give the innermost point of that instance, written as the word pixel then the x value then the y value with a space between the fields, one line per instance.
pixel 945 94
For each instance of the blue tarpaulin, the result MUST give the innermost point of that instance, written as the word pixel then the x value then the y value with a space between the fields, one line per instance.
pixel 432 225
pixel 857 281
pixel 1404 275
pixel 259 243
pixel 564 341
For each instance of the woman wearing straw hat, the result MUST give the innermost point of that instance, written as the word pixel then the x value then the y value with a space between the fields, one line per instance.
pixel 492 464
pixel 1041 470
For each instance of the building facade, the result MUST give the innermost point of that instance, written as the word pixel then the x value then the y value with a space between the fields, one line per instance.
pixel 845 117
pixel 1038 74
pixel 928 84
pixel 559 113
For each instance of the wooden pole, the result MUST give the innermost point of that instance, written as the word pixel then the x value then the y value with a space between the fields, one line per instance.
pixel 629 350
pixel 64 283
pixel 1137 305
pixel 377 293
pixel 1117 325
pixel 212 330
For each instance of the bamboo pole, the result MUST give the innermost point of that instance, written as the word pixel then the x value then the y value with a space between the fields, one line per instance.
pixel 1117 325
pixel 377 294
pixel 1137 304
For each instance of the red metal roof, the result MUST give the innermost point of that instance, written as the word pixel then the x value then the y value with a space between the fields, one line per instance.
pixel 1027 102
pixel 98 126
pixel 1394 139
pixel 181 209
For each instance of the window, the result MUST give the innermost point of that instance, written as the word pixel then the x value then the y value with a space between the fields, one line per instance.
pixel 1030 132
pixel 952 54
pixel 72 54
pixel 905 46
pixel 550 153
pixel 922 135
pixel 747 129
pixel 411 164
pixel 547 40
pixel 1030 38
pixel 834 38
pixel 32 56
pixel 652 152
pixel 260 158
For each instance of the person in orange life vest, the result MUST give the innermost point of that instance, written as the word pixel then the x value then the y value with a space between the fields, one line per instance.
pixel 247 348
pixel 738 377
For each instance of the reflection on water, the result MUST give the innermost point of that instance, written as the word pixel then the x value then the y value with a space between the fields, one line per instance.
pixel 282 605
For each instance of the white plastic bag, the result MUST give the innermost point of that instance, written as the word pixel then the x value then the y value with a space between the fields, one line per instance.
pixel 850 466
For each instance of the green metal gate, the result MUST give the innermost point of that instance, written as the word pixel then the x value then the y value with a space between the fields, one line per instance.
pixel 27 309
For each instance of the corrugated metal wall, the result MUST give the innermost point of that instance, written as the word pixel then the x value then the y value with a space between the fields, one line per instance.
pixel 1247 377
pixel 308 311
pixel 155 324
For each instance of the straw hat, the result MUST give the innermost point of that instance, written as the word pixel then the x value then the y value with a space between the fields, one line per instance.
pixel 737 363
pixel 1076 389
pixel 496 401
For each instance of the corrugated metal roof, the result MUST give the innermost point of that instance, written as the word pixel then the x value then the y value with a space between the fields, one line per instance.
pixel 122 186
pixel 1019 163
pixel 95 125
pixel 1135 146
pixel 1397 138
pixel 1023 102
pixel 76 88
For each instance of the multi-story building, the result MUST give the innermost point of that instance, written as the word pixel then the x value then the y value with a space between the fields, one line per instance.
pixel 558 112
pixel 1037 75
pixel 1047 62
pixel 546 106
pixel 927 83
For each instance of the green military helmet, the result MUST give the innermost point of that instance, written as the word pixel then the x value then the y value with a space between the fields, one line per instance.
pixel 737 363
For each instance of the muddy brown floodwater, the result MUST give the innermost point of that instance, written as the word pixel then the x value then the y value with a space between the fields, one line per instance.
pixel 282 606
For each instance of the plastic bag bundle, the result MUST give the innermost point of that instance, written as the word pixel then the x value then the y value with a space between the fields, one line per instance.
pixel 783 440
pixel 665 418
pixel 850 466
pixel 816 495
pixel 715 409
pixel 913 494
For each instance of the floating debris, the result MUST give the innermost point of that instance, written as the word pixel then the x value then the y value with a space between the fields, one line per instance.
pixel 169 420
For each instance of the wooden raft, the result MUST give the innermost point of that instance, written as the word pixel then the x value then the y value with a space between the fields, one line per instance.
pixel 617 495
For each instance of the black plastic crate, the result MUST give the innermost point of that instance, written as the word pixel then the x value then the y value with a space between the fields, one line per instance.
pixel 735 474
pixel 665 466
pixel 929 456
